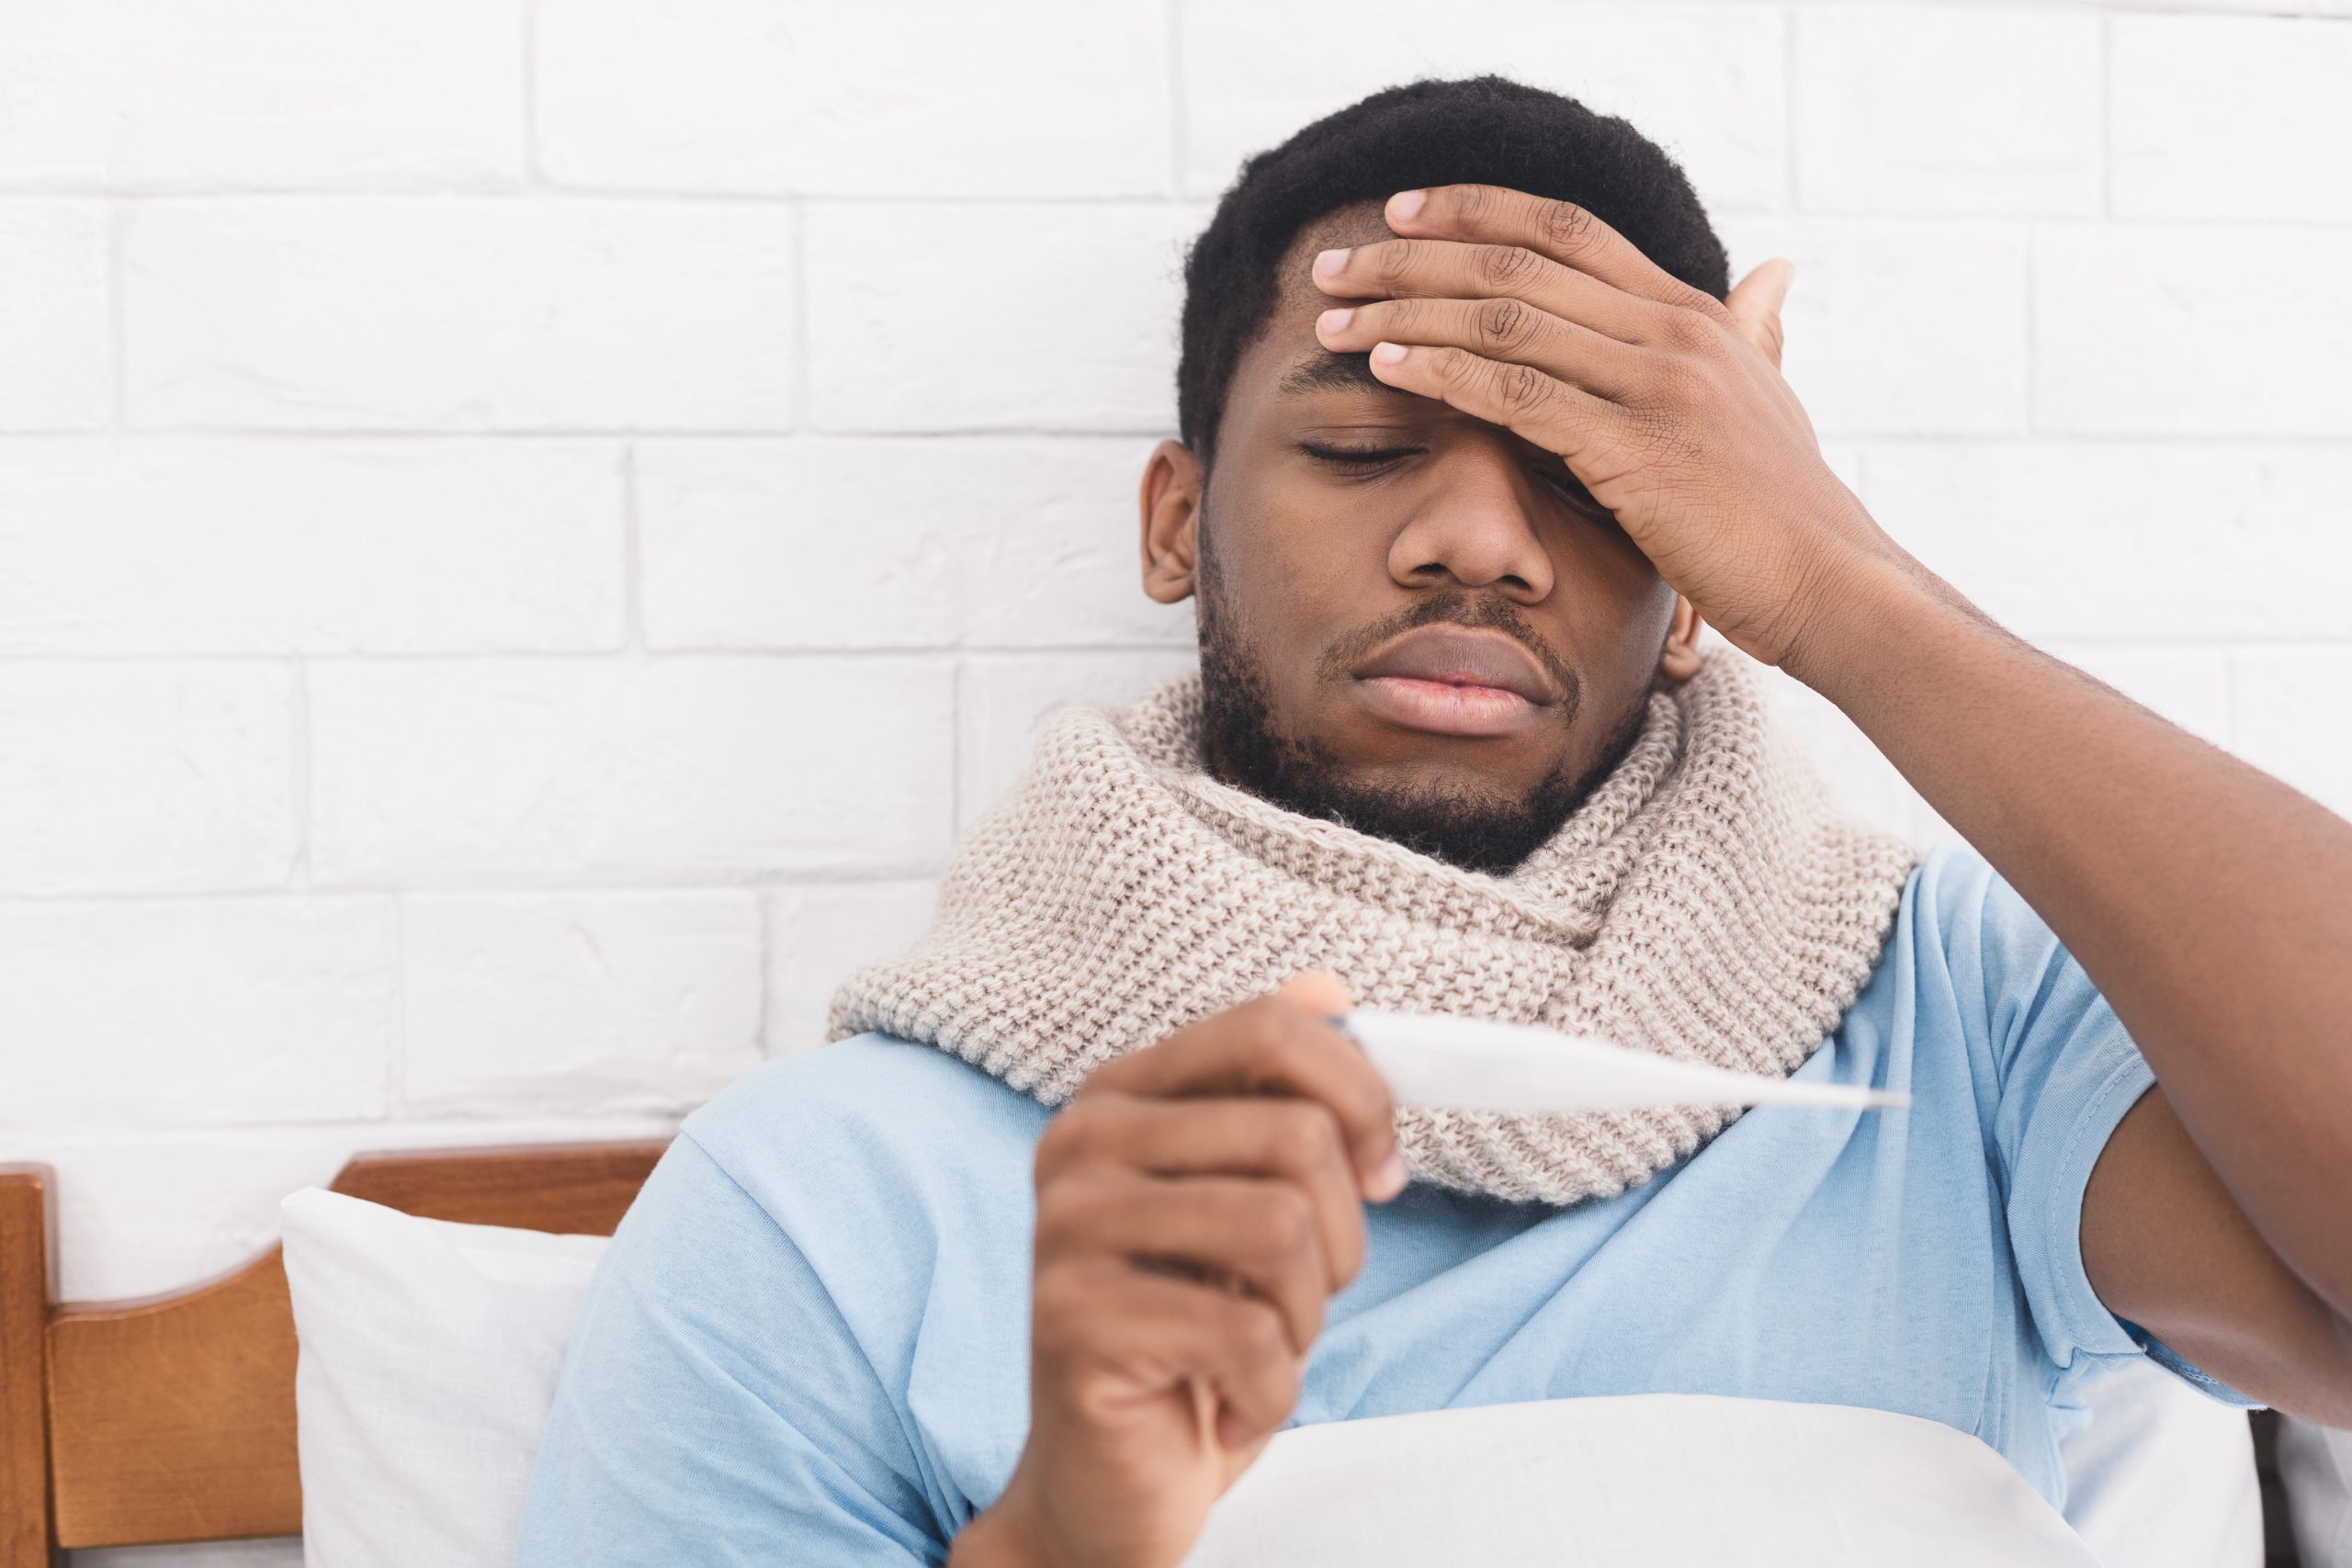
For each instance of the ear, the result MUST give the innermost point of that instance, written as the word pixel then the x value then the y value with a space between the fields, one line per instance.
pixel 1171 503
pixel 1680 659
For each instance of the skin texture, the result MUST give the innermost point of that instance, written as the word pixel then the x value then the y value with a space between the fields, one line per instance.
pixel 2207 900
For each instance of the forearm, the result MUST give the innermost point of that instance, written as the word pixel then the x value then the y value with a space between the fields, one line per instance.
pixel 2211 903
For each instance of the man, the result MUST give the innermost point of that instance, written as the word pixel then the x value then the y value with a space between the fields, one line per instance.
pixel 1031 1265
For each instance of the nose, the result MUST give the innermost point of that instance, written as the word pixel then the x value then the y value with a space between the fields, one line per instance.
pixel 1475 524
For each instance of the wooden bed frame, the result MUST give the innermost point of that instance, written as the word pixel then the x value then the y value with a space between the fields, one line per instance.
pixel 170 1418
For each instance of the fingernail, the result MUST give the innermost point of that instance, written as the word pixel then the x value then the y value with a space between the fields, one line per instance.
pixel 1328 263
pixel 1389 1180
pixel 1334 320
pixel 1405 203
pixel 1387 352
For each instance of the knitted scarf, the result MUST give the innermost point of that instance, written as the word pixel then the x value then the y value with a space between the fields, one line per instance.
pixel 1706 901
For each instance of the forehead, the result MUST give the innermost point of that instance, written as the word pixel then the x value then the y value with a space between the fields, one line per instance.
pixel 1286 359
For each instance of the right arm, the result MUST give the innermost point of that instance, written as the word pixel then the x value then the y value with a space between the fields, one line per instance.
pixel 1198 1203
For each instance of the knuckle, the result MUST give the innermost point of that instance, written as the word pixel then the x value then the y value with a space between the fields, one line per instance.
pixel 1286 1222
pixel 1566 227
pixel 1692 333
pixel 1260 1333
pixel 1520 388
pixel 1701 303
pixel 1456 369
pixel 1473 201
pixel 1410 317
pixel 1260 1017
pixel 1287 1039
pixel 1391 261
pixel 1506 266
pixel 1306 1136
pixel 1504 325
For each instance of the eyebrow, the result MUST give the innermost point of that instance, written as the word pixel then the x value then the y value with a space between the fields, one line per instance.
pixel 1329 372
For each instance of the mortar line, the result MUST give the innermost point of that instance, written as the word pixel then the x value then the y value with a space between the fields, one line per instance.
pixel 299 786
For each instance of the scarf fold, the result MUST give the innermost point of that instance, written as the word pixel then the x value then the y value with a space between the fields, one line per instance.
pixel 1707 901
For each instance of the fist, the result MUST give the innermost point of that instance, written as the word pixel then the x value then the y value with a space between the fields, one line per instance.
pixel 1198 1203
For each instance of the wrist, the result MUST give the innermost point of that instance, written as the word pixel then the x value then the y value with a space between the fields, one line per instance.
pixel 998 1536
pixel 1866 611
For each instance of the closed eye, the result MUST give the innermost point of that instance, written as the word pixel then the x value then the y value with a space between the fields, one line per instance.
pixel 1363 459
pixel 1572 490
pixel 1355 458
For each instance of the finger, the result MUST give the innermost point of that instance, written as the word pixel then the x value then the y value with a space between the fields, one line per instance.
pixel 1287 1139
pixel 1163 1332
pixel 1451 270
pixel 1755 304
pixel 1317 991
pixel 1583 429
pixel 1572 235
pixel 1269 1046
pixel 1499 329
pixel 1261 1234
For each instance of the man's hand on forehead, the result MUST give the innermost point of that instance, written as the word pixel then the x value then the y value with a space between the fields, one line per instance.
pixel 1665 402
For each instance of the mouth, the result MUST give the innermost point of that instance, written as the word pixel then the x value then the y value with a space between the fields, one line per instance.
pixel 1453 680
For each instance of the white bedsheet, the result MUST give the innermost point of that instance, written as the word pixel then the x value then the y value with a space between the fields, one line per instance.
pixel 1662 1480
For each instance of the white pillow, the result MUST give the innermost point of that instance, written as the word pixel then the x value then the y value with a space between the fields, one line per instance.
pixel 428 1360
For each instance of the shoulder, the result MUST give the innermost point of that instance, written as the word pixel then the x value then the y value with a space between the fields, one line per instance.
pixel 871 1121
pixel 1960 887
pixel 1961 916
pixel 874 1081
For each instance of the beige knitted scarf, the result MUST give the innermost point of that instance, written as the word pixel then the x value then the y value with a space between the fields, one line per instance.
pixel 1706 901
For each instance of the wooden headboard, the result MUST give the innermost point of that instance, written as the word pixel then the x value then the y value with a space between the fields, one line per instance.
pixel 171 1418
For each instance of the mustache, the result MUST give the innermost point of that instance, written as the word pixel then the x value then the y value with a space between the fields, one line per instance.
pixel 1461 607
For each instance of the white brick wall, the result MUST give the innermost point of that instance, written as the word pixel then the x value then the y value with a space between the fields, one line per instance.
pixel 527 525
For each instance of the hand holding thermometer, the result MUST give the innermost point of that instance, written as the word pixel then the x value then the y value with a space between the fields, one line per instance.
pixel 1442 1061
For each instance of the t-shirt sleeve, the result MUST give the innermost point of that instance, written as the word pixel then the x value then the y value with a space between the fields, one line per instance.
pixel 2065 1072
pixel 673 1440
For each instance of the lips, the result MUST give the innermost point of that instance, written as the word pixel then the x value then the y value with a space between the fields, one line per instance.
pixel 1462 656
pixel 1452 680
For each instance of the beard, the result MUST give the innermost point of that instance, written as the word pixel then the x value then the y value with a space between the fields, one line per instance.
pixel 1488 830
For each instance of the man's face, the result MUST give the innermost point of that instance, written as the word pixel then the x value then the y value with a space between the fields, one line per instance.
pixel 1446 645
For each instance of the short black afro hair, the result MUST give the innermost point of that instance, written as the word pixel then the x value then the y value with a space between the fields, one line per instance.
pixel 1475 129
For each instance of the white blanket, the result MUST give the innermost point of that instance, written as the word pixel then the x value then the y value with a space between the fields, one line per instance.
pixel 1658 1480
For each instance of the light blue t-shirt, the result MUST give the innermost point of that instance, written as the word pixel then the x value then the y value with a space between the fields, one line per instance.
pixel 808 1342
